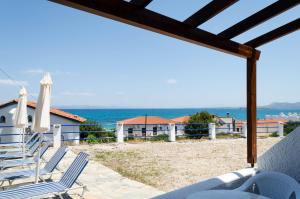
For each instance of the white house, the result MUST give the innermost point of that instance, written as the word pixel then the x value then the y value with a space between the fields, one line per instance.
pixel 145 126
pixel 264 127
pixel 68 121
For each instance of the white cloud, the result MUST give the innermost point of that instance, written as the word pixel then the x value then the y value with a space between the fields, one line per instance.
pixel 13 82
pixel 87 94
pixel 171 81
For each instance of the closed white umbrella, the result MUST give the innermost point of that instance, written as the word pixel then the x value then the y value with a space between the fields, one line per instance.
pixel 41 122
pixel 20 115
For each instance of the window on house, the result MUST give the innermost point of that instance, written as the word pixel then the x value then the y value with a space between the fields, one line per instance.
pixel 130 131
pixel 144 131
pixel 29 119
pixel 176 130
pixel 155 130
pixel 2 119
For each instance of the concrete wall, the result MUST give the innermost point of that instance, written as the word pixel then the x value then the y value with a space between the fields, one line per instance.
pixel 54 119
pixel 283 156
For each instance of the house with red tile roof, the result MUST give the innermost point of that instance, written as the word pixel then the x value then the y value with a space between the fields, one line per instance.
pixel 264 127
pixel 146 126
pixel 57 116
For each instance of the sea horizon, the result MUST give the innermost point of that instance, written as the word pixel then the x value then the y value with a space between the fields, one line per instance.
pixel 108 117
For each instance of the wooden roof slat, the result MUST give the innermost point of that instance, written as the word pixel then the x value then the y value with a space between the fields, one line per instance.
pixel 261 16
pixel 275 34
pixel 208 12
pixel 141 3
pixel 125 12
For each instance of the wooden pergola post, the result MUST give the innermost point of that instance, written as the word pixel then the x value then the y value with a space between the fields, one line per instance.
pixel 251 109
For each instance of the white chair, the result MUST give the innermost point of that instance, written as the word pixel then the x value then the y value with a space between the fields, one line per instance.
pixel 272 185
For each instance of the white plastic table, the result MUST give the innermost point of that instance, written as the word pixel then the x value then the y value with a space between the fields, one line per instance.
pixel 224 194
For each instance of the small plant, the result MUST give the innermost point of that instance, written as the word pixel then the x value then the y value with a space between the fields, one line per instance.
pixel 91 139
pixel 162 137
pixel 274 134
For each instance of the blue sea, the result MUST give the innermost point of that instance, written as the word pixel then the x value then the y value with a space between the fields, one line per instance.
pixel 109 117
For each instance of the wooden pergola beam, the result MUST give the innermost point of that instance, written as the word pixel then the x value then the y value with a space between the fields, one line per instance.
pixel 141 3
pixel 261 16
pixel 251 111
pixel 209 11
pixel 275 34
pixel 125 12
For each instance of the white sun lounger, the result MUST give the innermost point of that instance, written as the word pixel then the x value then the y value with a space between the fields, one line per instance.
pixel 23 161
pixel 20 154
pixel 18 147
pixel 47 170
pixel 48 189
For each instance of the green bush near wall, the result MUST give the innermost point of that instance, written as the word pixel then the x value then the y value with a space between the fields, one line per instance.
pixel 290 126
pixel 93 132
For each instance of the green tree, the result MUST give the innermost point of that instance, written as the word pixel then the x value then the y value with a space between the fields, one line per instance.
pixel 198 123
pixel 94 132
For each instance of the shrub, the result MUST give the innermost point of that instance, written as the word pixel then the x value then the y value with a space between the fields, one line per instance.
pixel 274 134
pixel 91 139
pixel 198 123
pixel 94 132
pixel 290 126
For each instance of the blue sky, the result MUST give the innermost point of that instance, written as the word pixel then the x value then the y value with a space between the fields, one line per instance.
pixel 99 62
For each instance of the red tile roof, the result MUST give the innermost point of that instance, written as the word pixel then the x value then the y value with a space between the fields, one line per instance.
pixel 52 110
pixel 150 120
pixel 183 119
pixel 267 122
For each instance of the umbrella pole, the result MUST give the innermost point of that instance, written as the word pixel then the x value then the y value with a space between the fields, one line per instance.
pixel 23 144
pixel 37 171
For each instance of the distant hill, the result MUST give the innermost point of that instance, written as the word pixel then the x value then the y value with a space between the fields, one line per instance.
pixel 283 105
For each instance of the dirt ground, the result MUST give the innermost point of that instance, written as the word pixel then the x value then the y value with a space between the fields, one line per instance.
pixel 167 166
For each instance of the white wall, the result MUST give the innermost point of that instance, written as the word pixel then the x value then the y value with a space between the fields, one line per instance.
pixel 283 156
pixel 137 129
pixel 7 112
pixel 267 128
pixel 54 119
pixel 225 128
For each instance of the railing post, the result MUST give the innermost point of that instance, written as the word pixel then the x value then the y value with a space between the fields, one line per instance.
pixel 172 133
pixel 212 131
pixel 244 130
pixel 280 129
pixel 57 135
pixel 120 133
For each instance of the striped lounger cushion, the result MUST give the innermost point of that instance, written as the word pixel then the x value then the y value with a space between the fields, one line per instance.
pixel 49 188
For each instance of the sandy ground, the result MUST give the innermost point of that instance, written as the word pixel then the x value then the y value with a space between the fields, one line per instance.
pixel 167 166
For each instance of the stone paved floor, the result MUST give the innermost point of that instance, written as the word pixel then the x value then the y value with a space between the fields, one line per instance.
pixel 102 182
